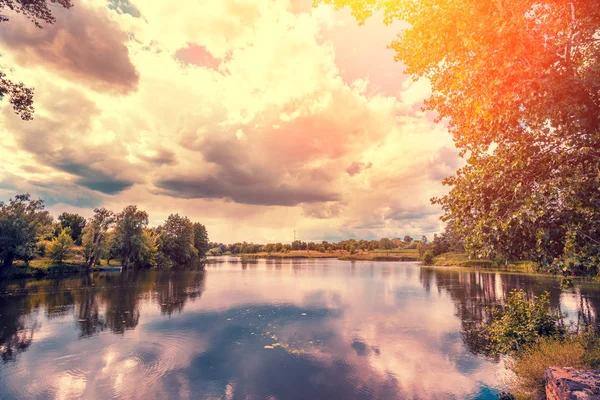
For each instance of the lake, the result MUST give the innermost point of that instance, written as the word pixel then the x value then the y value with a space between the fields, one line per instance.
pixel 265 329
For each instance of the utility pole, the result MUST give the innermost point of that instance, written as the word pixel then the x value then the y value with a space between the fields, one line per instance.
pixel 294 235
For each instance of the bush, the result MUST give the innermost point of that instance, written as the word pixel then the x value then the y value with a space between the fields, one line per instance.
pixel 60 247
pixel 428 257
pixel 42 247
pixel 522 323
pixel 214 252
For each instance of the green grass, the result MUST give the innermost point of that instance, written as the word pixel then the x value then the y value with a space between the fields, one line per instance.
pixel 46 267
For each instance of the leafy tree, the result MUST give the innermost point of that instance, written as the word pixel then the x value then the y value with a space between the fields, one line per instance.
pixel 177 240
pixel 37 11
pixel 407 239
pixel 131 242
pixel 522 323
pixel 94 236
pixel 386 244
pixel 427 257
pixel 75 223
pixel 61 247
pixel 23 222
pixel 200 239
pixel 519 85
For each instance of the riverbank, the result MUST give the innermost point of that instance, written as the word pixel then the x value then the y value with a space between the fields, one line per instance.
pixel 40 268
pixel 377 255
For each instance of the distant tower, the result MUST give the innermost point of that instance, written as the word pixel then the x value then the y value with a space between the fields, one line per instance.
pixel 294 235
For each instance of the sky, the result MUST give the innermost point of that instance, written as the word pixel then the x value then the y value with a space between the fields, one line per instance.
pixel 257 118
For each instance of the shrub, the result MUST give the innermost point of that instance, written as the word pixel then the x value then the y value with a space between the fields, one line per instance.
pixel 428 257
pixel 60 247
pixel 522 323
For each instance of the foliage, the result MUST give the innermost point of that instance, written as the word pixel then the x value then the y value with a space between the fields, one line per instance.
pixel 23 222
pixel 75 223
pixel 19 96
pixel 177 240
pixel 519 85
pixel 37 11
pixel 130 240
pixel 428 257
pixel 200 239
pixel 60 248
pixel 386 244
pixel 522 323
pixel 94 234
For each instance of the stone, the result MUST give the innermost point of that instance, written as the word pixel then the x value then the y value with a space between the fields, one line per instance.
pixel 572 384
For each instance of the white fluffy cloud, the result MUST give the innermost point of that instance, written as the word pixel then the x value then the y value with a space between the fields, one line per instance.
pixel 256 117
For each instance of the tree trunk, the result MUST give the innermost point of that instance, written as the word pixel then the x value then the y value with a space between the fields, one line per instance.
pixel 90 264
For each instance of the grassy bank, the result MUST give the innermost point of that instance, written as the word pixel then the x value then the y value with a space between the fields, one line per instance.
pixel 45 267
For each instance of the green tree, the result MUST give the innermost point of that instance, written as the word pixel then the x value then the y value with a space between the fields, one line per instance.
pixel 61 247
pixel 200 239
pixel 94 236
pixel 519 85
pixel 23 222
pixel 386 244
pixel 75 222
pixel 427 257
pixel 131 242
pixel 177 239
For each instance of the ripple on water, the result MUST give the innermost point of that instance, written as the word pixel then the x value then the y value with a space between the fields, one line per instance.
pixel 146 361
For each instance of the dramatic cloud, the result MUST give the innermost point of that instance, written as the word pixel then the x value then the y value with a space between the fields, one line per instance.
pixel 259 118
pixel 83 44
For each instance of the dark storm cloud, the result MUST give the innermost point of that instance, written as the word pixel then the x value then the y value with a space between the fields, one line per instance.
pixel 250 193
pixel 94 179
pixel 57 192
pixel 83 44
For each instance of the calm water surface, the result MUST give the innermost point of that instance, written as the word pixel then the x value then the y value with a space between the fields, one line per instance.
pixel 297 329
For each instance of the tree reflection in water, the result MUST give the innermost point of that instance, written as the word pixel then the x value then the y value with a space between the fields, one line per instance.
pixel 98 301
pixel 476 293
pixel 102 301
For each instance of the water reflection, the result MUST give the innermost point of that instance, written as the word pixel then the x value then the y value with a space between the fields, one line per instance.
pixel 262 329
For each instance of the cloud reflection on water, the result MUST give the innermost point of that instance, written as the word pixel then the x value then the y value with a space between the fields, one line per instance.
pixel 332 329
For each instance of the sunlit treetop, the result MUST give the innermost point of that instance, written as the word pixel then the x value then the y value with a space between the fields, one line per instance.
pixel 499 68
pixel 519 84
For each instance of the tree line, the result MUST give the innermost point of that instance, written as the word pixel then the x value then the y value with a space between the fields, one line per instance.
pixel 28 231
pixel 350 245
